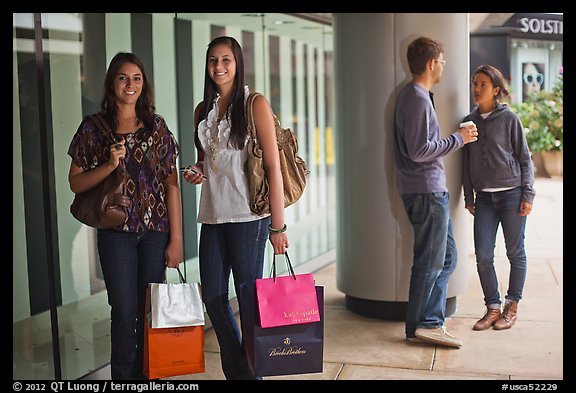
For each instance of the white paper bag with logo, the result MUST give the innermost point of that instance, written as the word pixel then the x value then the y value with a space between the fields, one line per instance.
pixel 176 305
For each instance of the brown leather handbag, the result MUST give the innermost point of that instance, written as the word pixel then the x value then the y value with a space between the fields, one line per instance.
pixel 104 206
pixel 293 167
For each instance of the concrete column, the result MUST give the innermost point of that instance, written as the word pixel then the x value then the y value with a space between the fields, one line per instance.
pixel 374 236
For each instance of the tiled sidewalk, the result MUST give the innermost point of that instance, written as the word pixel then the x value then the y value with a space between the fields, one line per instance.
pixel 360 348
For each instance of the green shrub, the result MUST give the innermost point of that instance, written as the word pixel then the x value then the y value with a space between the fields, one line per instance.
pixel 542 116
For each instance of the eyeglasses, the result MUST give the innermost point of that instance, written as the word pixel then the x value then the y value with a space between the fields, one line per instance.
pixel 443 62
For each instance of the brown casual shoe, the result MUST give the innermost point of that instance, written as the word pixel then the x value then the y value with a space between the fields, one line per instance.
pixel 491 316
pixel 506 321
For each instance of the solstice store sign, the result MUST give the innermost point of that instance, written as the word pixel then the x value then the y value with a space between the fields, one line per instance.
pixel 539 26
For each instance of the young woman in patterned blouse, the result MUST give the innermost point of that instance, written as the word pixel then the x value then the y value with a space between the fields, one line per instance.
pixel 137 252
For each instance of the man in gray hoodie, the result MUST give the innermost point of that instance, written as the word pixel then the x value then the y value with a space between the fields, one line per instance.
pixel 422 185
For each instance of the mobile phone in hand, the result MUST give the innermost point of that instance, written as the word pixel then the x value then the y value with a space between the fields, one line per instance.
pixel 187 168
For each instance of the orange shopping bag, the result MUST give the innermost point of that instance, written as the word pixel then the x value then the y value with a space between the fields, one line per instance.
pixel 172 351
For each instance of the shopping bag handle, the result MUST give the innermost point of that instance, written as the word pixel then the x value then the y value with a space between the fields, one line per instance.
pixel 182 279
pixel 288 263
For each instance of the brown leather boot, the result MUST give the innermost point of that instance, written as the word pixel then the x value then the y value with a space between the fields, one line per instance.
pixel 491 316
pixel 506 321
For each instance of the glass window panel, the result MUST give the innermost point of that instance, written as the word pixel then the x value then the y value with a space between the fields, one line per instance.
pixel 32 355
pixel 274 74
pixel 76 52
pixel 248 52
pixel 217 31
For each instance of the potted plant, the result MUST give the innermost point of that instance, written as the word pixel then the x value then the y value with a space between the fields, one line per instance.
pixel 542 116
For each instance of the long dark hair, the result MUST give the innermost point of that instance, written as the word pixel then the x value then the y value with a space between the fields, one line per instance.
pixel 237 115
pixel 144 106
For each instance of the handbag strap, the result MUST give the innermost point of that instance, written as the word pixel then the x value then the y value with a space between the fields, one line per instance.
pixel 107 132
pixel 250 114
pixel 288 264
pixel 103 126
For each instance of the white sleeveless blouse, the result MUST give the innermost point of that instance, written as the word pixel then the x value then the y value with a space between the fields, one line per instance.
pixel 224 196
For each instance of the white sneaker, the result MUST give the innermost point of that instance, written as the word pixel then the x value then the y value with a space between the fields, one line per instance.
pixel 438 336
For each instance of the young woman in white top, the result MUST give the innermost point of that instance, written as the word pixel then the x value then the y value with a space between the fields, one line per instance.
pixel 232 238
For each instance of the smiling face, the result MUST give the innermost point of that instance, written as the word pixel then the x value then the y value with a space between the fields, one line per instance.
pixel 128 84
pixel 222 66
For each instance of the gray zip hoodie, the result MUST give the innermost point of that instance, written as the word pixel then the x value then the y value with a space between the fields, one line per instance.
pixel 499 158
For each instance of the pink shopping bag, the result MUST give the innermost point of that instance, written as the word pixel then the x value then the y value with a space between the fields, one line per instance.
pixel 287 300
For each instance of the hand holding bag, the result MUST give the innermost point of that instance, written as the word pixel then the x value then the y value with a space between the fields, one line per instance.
pixel 175 305
pixel 105 205
pixel 287 300
pixel 292 167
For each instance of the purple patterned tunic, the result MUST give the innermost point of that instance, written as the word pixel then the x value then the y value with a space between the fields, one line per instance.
pixel 150 160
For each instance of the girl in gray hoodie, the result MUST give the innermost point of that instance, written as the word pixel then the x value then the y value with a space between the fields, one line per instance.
pixel 498 180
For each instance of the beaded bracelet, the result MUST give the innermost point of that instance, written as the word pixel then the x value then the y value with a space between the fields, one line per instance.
pixel 277 230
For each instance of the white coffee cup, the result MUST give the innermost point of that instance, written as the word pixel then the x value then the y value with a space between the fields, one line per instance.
pixel 466 124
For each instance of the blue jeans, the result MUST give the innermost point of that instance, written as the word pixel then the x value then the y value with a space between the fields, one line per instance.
pixel 490 210
pixel 130 261
pixel 435 259
pixel 224 248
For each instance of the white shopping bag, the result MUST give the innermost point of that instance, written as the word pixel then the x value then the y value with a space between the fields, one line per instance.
pixel 176 305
